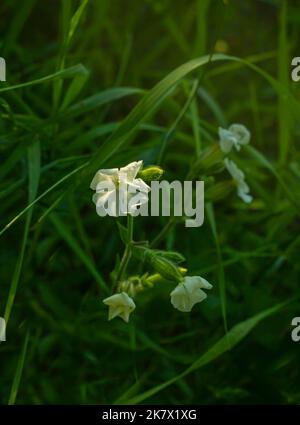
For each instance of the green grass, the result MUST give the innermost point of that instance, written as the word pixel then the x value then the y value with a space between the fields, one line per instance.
pixel 93 85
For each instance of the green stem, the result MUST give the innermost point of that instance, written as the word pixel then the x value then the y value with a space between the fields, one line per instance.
pixel 127 252
pixel 162 233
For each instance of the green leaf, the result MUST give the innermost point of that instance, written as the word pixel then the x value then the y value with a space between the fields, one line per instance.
pixel 64 73
pixel 34 167
pixel 153 99
pixel 31 204
pixel 100 99
pixel 222 283
pixel 65 233
pixel 226 343
pixel 19 370
pixel 123 231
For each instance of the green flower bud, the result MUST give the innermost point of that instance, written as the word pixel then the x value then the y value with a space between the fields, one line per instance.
pixel 157 278
pixel 219 191
pixel 182 271
pixel 164 267
pixel 174 256
pixel 132 286
pixel 210 161
pixel 153 172
pixel 161 261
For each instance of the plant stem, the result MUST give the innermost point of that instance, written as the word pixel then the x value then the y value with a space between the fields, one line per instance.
pixel 127 252
pixel 163 232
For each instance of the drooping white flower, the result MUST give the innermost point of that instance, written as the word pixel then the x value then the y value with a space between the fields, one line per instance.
pixel 120 305
pixel 236 135
pixel 189 292
pixel 239 179
pixel 118 191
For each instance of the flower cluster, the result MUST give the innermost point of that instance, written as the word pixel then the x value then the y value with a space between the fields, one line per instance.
pixel 123 191
pixel 236 135
pixel 185 295
pixel 108 185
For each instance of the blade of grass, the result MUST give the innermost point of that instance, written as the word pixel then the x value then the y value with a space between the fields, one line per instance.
pixel 151 101
pixel 284 117
pixel 99 99
pixel 234 336
pixel 65 73
pixel 196 129
pixel 19 370
pixel 31 204
pixel 180 116
pixel 222 283
pixel 268 165
pixel 65 233
pixel 34 167
pixel 201 22
pixel 68 28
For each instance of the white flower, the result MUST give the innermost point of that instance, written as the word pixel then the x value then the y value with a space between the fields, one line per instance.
pixel 118 191
pixel 189 292
pixel 120 305
pixel 236 135
pixel 239 179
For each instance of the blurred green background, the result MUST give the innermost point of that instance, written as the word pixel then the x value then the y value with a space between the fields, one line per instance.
pixel 56 257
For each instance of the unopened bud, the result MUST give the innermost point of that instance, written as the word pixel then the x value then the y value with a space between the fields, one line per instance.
pixel 219 191
pixel 151 173
pixel 174 256
pixel 210 161
pixel 165 268
pixel 182 271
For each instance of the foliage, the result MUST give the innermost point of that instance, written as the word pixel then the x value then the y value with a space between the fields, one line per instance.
pixel 93 84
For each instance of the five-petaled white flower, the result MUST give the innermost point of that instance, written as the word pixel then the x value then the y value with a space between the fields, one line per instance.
pixel 189 292
pixel 236 135
pixel 120 305
pixel 118 191
pixel 239 179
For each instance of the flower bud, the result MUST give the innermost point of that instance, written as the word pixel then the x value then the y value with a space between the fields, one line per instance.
pixel 210 161
pixel 219 191
pixel 160 261
pixel 174 256
pixel 165 268
pixel 153 172
pixel 156 278
pixel 132 286
pixel 182 270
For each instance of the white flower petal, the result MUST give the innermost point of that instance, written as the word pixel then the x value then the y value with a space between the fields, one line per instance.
pixel 120 305
pixel 236 135
pixel 104 175
pixel 189 292
pixel 245 197
pixel 227 140
pixel 241 133
pixel 117 186
pixel 239 179
pixel 130 171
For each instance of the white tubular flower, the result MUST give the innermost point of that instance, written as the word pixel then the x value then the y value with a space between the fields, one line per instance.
pixel 120 305
pixel 239 179
pixel 118 191
pixel 236 135
pixel 189 292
